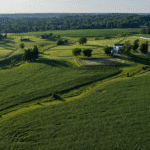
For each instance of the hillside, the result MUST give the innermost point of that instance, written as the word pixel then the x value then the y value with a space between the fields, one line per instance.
pixel 62 101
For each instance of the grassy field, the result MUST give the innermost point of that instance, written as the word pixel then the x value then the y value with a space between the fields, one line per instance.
pixel 116 116
pixel 79 33
pixel 98 106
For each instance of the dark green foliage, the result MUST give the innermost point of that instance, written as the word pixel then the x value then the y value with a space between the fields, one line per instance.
pixel 87 52
pixel 22 45
pixel 107 49
pixel 60 42
pixel 136 44
pixel 127 74
pixel 126 49
pixel 76 51
pixel 35 51
pixel 50 34
pixel 31 54
pixel 65 41
pixel 3 36
pixel 145 30
pixel 144 47
pixel 123 34
pixel 82 40
pixel 55 96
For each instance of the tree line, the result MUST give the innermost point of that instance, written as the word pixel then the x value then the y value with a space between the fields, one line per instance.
pixel 66 22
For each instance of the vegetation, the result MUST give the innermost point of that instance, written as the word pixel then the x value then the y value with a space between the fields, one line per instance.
pixel 136 44
pixel 87 52
pixel 145 30
pixel 22 45
pixel 73 22
pixel 107 49
pixel 31 54
pixel 76 51
pixel 126 49
pixel 82 40
pixel 144 47
pixel 63 102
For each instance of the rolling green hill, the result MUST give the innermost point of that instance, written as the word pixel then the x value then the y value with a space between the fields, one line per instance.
pixel 53 103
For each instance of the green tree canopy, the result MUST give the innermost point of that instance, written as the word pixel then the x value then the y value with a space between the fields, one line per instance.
pixel 76 51
pixel 144 47
pixel 87 52
pixel 126 49
pixel 82 40
pixel 136 44
pixel 22 45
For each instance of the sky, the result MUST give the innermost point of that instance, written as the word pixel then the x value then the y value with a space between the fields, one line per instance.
pixel 74 6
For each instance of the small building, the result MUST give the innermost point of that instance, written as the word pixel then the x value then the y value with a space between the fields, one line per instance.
pixel 116 48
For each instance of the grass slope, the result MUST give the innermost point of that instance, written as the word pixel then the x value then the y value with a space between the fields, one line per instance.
pixel 37 80
pixel 115 119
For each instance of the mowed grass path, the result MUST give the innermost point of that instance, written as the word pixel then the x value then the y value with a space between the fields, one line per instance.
pixel 116 116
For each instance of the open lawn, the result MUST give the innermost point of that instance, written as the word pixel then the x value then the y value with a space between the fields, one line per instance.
pixel 96 105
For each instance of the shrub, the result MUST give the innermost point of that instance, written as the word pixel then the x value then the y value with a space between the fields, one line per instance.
pixel 144 47
pixel 126 49
pixel 136 45
pixel 127 74
pixel 31 54
pixel 22 45
pixel 76 51
pixel 82 40
pixel 65 41
pixel 87 52
pixel 55 96
pixel 107 50
pixel 60 42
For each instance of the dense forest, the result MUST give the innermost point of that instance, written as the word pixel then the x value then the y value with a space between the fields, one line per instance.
pixel 77 21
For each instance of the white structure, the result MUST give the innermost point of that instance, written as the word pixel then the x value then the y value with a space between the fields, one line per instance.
pixel 116 48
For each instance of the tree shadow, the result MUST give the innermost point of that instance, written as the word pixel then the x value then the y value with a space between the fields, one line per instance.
pixel 94 45
pixel 139 59
pixel 4 63
pixel 53 63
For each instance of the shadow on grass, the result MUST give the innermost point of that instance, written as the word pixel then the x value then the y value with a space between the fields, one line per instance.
pixel 54 63
pixel 7 41
pixel 4 64
pixel 140 59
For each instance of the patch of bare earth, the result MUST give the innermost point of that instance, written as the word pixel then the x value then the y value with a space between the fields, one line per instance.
pixel 104 61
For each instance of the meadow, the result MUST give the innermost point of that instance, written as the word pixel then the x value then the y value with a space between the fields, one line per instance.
pixel 80 32
pixel 97 106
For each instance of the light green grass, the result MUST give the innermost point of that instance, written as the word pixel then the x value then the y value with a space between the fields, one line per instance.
pixel 4 53
pixel 85 32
